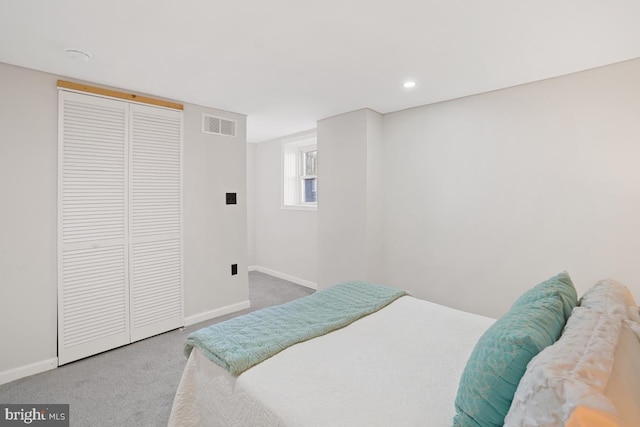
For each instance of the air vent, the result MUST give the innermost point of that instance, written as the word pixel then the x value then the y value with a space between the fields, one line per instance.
pixel 218 125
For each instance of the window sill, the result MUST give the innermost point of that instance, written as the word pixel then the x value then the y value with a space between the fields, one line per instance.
pixel 300 207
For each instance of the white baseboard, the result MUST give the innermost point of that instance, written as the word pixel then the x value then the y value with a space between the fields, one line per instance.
pixel 28 370
pixel 284 276
pixel 207 315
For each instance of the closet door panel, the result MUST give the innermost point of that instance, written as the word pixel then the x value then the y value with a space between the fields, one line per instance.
pixel 93 294
pixel 156 294
pixel 155 221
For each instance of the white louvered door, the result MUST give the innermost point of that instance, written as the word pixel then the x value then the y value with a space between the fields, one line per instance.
pixel 119 223
pixel 93 293
pixel 156 226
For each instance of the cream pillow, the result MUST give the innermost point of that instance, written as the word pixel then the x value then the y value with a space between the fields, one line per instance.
pixel 576 370
pixel 572 372
pixel 608 296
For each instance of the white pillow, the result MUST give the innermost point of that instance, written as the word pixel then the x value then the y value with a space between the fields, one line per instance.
pixel 608 296
pixel 574 371
pixel 623 388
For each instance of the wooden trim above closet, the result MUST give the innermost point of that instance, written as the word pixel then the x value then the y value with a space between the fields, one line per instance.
pixel 120 95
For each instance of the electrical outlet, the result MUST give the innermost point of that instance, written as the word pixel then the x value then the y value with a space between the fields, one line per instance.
pixel 231 198
pixel 234 269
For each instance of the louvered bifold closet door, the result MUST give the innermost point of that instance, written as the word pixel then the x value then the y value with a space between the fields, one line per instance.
pixel 155 221
pixel 93 294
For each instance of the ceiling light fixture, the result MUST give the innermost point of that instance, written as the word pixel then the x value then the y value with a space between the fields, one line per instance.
pixel 409 84
pixel 77 54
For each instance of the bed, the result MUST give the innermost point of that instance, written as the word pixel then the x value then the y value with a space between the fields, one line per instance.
pixel 410 362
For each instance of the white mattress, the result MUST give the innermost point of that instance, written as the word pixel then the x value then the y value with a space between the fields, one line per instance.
pixel 399 366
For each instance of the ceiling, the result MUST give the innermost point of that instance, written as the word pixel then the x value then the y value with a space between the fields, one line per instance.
pixel 288 63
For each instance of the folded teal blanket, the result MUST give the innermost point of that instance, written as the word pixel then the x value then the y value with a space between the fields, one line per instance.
pixel 245 341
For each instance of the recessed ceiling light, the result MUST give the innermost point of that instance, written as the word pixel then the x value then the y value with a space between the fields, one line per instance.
pixel 409 84
pixel 77 54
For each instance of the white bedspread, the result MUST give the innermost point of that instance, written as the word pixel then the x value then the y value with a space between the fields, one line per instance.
pixel 400 366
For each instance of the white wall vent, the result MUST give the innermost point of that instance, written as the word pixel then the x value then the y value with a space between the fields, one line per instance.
pixel 218 126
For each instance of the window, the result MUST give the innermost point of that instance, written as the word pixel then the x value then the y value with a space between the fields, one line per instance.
pixel 300 173
pixel 309 174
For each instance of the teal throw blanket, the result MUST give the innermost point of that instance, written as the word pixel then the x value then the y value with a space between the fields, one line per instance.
pixel 242 342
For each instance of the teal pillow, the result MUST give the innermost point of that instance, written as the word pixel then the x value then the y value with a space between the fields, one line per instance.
pixel 500 358
pixel 559 286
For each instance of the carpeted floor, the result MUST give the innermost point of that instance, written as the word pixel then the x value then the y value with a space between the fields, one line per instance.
pixel 133 385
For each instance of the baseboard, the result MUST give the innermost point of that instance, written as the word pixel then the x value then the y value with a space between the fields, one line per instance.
pixel 284 276
pixel 207 315
pixel 28 370
pixel 252 267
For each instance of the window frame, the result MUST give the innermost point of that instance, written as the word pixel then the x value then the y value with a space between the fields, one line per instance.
pixel 302 176
pixel 292 185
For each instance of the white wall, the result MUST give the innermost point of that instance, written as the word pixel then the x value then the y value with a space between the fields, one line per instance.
pixel 486 196
pixel 349 204
pixel 28 182
pixel 215 234
pixel 285 240
pixel 470 202
pixel 374 245
pixel 251 204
